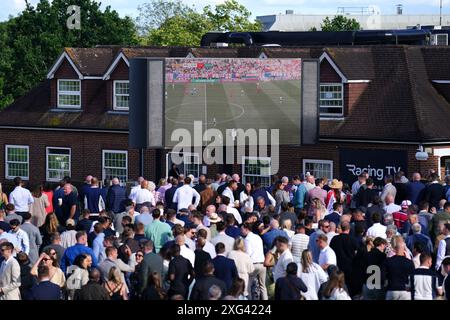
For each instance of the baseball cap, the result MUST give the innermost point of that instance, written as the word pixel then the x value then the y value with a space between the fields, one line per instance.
pixel 405 204
pixel 70 222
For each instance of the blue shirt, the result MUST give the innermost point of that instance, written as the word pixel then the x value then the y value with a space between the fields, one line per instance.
pixel 233 232
pixel 46 290
pixel 72 252
pixel 270 236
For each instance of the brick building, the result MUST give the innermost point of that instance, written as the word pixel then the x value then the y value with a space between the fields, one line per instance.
pixel 390 99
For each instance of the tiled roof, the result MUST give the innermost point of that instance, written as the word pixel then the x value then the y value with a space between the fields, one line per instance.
pixel 400 102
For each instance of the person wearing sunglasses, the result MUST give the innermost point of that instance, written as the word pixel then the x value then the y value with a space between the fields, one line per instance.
pixel 49 258
pixel 324 228
pixel 9 274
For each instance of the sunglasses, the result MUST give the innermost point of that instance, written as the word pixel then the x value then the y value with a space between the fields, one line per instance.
pixel 139 255
pixel 326 226
pixel 46 259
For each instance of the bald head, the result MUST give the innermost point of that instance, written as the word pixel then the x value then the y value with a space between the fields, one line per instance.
pixel 236 177
pixel 88 179
pixel 389 199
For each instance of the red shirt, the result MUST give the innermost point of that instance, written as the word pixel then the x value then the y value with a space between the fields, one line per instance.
pixel 49 194
pixel 399 219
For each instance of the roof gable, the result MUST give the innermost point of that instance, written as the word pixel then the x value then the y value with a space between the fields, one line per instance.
pixel 63 57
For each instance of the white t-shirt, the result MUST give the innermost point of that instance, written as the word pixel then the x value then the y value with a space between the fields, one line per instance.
pixel 377 230
pixel 327 256
pixel 279 270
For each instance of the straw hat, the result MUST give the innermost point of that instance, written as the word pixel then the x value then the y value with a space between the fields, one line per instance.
pixel 336 184
pixel 214 218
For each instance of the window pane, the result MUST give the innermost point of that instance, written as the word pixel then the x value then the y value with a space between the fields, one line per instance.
pixel 58 162
pixel 67 85
pixel 17 161
pixel 331 99
pixel 257 170
pixel 122 101
pixel 69 100
pixel 115 165
pixel 319 169
pixel 122 88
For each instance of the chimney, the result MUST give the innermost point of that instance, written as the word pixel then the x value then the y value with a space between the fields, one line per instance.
pixel 399 9
pixel 289 11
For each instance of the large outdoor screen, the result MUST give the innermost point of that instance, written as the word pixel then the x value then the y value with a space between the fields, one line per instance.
pixel 233 93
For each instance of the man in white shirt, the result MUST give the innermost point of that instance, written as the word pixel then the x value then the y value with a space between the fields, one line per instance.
pixel 184 195
pixel 228 192
pixel 208 247
pixel 135 188
pixel 390 206
pixel 21 198
pixel 299 242
pixel 310 182
pixel 282 245
pixel 254 248
pixel 226 206
pixel 377 229
pixel 223 237
pixel 185 252
pixel 327 256
pixel 143 195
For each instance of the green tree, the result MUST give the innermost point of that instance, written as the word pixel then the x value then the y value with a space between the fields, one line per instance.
pixel 184 30
pixel 34 39
pixel 173 23
pixel 340 23
pixel 231 16
pixel 152 15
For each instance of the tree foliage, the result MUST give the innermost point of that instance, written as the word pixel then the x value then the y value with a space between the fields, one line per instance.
pixel 174 23
pixel 340 23
pixel 31 42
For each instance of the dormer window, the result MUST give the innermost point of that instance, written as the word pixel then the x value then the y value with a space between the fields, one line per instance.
pixel 121 95
pixel 331 100
pixel 69 94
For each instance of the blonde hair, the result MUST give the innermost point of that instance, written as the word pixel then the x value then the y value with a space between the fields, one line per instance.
pixel 151 186
pixel 287 224
pixel 114 275
pixel 239 245
pixel 307 260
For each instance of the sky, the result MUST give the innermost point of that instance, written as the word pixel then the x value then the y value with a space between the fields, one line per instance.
pixel 264 7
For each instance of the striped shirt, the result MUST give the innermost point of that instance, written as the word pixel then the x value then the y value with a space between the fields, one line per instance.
pixel 299 243
pixel 424 284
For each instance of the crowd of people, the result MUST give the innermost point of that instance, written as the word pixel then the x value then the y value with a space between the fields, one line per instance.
pixel 225 70
pixel 303 238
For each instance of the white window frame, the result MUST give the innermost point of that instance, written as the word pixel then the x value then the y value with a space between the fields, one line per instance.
pixel 332 115
pixel 186 155
pixel 244 175
pixel 330 162
pixel 47 176
pixel 72 93
pixel 115 107
pixel 114 151
pixel 7 175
